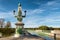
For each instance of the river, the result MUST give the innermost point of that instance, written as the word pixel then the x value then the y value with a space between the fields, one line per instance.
pixel 45 37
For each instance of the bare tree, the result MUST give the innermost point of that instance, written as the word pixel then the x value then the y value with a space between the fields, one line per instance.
pixel 1 22
pixel 8 24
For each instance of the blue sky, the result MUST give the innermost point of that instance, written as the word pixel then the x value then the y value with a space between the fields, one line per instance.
pixel 39 12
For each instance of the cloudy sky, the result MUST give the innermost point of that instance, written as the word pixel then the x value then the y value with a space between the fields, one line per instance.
pixel 39 12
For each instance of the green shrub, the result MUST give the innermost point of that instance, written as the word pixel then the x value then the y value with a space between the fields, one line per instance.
pixel 7 31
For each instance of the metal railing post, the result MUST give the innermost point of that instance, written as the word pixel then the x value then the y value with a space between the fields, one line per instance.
pixel 54 36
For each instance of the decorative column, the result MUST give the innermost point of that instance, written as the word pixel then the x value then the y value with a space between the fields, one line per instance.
pixel 19 24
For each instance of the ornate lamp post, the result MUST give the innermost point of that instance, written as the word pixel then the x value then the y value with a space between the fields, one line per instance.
pixel 19 24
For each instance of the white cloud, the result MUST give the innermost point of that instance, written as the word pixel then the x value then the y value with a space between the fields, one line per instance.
pixel 35 11
pixel 38 3
pixel 31 22
pixel 55 8
pixel 51 3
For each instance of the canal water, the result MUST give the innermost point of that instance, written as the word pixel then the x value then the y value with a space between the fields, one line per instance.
pixel 45 37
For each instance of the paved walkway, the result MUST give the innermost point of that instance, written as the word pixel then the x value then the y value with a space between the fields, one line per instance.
pixel 22 38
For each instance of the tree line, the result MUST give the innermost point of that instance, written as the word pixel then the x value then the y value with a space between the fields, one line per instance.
pixel 43 27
